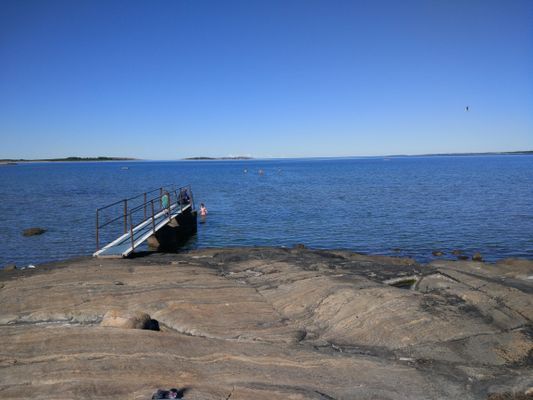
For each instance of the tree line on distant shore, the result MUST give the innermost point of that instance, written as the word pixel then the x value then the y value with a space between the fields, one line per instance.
pixel 70 159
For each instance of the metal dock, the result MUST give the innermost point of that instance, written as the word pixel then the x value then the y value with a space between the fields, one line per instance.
pixel 139 218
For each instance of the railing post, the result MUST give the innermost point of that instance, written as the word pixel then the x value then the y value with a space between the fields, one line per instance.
pixel 131 235
pixel 168 207
pixel 126 216
pixel 153 217
pixel 145 205
pixel 97 227
pixel 178 200
pixel 192 198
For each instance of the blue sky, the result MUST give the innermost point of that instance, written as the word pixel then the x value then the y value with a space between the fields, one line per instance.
pixel 291 78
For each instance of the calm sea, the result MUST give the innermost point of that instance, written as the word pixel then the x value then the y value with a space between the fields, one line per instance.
pixel 369 205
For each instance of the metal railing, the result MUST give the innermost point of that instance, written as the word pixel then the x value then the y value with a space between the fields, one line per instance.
pixel 137 210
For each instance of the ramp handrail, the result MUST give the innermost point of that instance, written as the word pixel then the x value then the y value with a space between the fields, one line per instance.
pixel 177 196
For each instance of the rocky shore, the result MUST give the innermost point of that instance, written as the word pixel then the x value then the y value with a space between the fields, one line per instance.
pixel 267 323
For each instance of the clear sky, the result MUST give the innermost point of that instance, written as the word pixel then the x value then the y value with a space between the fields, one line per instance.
pixel 289 78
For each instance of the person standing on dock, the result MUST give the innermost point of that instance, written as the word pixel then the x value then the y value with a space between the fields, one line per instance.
pixel 184 198
pixel 165 202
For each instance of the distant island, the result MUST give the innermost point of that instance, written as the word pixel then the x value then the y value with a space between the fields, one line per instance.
pixel 501 153
pixel 494 153
pixel 69 159
pixel 218 158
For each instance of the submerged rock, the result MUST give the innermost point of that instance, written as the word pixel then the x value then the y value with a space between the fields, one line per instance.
pixel 33 231
pixel 437 253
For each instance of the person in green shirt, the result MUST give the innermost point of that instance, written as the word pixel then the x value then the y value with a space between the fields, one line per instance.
pixel 165 202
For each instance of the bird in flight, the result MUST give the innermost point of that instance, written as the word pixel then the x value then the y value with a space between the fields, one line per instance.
pixel 467 108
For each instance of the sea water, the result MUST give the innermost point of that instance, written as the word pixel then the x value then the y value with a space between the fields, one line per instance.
pixel 401 206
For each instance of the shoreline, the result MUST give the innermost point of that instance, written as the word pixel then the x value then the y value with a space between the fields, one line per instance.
pixel 441 254
pixel 268 322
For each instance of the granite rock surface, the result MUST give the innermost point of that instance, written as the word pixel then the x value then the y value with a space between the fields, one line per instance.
pixel 267 323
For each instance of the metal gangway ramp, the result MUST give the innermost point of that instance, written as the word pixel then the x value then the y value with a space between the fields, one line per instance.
pixel 138 218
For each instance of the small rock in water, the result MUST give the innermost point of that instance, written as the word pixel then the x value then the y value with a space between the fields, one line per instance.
pixel 437 253
pixel 396 249
pixel 462 257
pixel 31 266
pixel 457 252
pixel 33 231
pixel 299 246
pixel 477 257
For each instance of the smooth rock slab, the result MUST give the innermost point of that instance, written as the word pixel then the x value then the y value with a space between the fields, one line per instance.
pixel 266 323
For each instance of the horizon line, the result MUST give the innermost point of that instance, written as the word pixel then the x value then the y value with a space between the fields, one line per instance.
pixel 251 158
